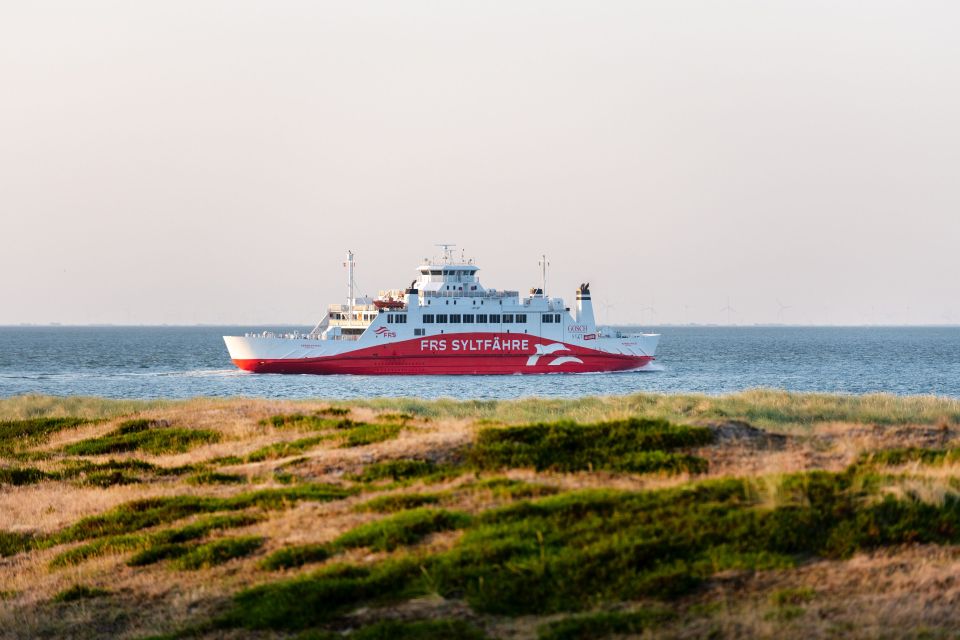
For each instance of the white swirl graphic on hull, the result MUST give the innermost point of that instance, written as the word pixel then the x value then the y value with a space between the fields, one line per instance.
pixel 549 350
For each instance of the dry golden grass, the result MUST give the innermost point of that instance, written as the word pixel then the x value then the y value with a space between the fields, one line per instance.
pixel 911 588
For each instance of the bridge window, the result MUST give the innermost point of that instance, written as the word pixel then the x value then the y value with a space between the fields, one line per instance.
pixel 547 318
pixel 428 318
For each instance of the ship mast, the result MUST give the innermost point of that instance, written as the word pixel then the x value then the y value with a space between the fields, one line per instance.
pixel 349 264
pixel 447 252
pixel 543 274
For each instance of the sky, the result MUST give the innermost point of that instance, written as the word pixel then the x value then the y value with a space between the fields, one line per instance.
pixel 746 161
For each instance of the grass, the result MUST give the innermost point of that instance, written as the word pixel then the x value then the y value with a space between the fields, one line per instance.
pixel 408 470
pixel 399 502
pixel 362 434
pixel 604 625
pixel 148 543
pixel 80 592
pixel 217 552
pixel 150 436
pixel 296 556
pixel 284 449
pixel 150 512
pixel 635 444
pixel 14 542
pixel 904 455
pixel 35 429
pixel 577 550
pixel 442 629
pixel 401 529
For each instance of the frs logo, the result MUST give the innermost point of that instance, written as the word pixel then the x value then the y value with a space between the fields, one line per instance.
pixel 383 332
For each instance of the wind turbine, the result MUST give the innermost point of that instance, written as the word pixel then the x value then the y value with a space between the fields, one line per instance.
pixel 729 310
pixel 606 310
pixel 783 307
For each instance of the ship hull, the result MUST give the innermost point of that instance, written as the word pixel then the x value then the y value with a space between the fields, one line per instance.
pixel 451 354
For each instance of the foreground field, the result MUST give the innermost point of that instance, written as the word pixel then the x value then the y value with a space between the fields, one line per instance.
pixel 756 514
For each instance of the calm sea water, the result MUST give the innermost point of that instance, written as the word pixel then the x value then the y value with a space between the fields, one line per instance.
pixel 178 362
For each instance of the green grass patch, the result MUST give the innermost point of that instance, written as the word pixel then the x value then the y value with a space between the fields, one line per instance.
pixel 215 477
pixel 604 625
pixel 399 502
pixel 285 449
pixel 80 592
pixel 317 421
pixel 14 542
pixel 401 529
pixel 218 552
pixel 296 556
pixel 511 489
pixel 633 445
pixel 408 470
pixel 792 596
pixel 361 434
pixel 150 436
pixel 33 430
pixel 19 476
pixel 143 514
pixel 307 601
pixel 906 455
pixel 579 550
pixel 443 629
pixel 148 541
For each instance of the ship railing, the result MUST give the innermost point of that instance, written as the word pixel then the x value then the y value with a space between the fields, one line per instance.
pixel 488 293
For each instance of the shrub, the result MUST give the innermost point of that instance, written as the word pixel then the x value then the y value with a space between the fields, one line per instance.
pixel 18 476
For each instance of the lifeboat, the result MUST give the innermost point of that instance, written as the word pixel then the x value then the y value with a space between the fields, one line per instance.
pixel 389 303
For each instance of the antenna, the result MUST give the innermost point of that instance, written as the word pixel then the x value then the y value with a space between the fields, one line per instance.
pixel 447 251
pixel 544 263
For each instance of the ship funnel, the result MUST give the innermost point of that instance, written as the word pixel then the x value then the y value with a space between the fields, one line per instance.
pixel 412 296
pixel 585 306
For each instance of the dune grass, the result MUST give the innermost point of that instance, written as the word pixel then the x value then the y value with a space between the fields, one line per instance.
pixel 80 592
pixel 217 552
pixel 442 629
pixel 297 556
pixel 149 542
pixel 394 502
pixel 634 445
pixel 150 436
pixel 401 529
pixel 604 625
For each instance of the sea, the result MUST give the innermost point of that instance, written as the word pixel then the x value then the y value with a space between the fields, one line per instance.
pixel 183 362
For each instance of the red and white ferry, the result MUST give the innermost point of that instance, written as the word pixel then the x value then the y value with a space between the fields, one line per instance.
pixel 446 322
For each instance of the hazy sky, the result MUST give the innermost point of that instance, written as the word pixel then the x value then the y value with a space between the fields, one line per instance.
pixel 210 162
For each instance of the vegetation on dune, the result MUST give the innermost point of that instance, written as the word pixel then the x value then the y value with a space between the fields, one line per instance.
pixel 14 542
pixel 99 474
pixel 511 489
pixel 577 550
pixel 405 470
pixel 362 434
pixel 149 543
pixel 401 529
pixel 443 629
pixel 635 444
pixel 143 514
pixel 217 552
pixel 80 592
pixel 604 625
pixel 284 449
pixel 150 436
pixel 905 455
pixel 398 502
pixel 296 556
pixel 34 429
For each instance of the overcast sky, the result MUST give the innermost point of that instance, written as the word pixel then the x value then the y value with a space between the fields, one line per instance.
pixel 211 162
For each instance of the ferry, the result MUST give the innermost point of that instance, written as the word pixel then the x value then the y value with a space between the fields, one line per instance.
pixel 446 322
